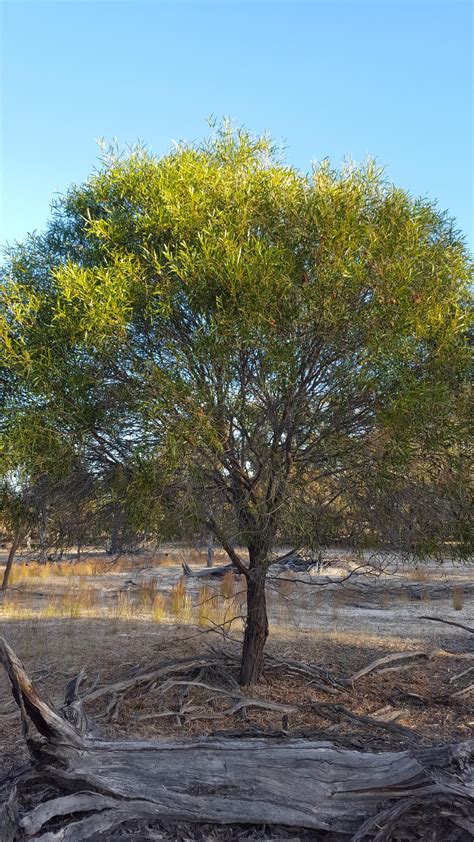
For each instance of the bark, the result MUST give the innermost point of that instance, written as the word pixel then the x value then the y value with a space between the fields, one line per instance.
pixel 43 536
pixel 115 545
pixel 256 627
pixel 18 537
pixel 210 550
pixel 291 782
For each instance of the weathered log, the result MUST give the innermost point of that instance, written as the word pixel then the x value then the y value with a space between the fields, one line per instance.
pixel 209 572
pixel 291 782
pixel 9 817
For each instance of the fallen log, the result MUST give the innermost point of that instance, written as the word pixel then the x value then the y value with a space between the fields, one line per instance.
pixel 210 572
pixel 290 782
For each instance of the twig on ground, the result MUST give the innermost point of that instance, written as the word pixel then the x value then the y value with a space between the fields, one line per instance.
pixel 399 656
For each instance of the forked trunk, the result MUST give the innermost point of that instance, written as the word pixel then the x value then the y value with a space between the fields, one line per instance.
pixel 256 627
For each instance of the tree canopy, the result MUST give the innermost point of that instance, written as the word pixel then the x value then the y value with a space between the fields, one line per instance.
pixel 278 355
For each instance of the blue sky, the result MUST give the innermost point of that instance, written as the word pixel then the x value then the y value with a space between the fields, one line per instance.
pixel 393 80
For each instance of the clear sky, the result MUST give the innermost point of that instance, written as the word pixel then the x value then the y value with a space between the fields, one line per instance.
pixel 389 79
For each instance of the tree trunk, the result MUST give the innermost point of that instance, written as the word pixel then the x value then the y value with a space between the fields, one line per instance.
pixel 43 535
pixel 256 626
pixel 115 542
pixel 210 550
pixel 11 557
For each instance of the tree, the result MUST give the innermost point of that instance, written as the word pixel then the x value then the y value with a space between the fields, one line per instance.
pixel 253 331
pixel 16 516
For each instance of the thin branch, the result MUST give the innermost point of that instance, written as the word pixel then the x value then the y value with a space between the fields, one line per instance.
pixel 448 623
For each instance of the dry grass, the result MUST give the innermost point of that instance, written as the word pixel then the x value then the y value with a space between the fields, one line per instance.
pixel 146 603
pixel 123 608
pixel 286 587
pixel 228 585
pixel 77 590
pixel 457 598
pixel 32 571
pixel 158 610
pixel 13 606
pixel 178 597
pixel 71 603
pixel 419 574
pixel 24 572
pixel 341 597
pixel 147 592
pixel 207 606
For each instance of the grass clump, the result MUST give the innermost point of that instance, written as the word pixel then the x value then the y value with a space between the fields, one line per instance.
pixel 207 605
pixel 227 585
pixel 178 598
pixel 158 610
pixel 147 592
pixel 123 608
pixel 419 574
pixel 457 597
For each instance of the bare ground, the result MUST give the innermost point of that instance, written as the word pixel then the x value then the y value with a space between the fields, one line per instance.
pixel 342 629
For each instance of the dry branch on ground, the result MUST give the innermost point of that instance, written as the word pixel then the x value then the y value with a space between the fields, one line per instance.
pixel 364 794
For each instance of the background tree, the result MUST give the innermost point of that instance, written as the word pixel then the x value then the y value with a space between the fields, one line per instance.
pixel 17 517
pixel 253 331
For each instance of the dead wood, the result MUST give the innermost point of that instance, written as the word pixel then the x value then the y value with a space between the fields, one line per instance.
pixel 318 676
pixel 290 782
pixel 448 623
pixel 9 817
pixel 460 675
pixel 336 712
pixel 432 811
pixel 73 708
pixel 150 677
pixel 464 692
pixel 387 659
pixel 389 714
pixel 210 572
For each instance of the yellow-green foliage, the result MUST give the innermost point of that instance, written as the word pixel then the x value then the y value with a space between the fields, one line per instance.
pixel 244 318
